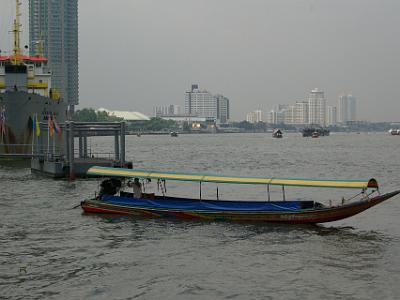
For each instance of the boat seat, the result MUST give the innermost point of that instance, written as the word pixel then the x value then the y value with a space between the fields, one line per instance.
pixel 307 204
pixel 126 194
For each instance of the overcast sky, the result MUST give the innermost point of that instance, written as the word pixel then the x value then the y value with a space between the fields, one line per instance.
pixel 135 54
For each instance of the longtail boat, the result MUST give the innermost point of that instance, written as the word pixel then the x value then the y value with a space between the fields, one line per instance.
pixel 113 200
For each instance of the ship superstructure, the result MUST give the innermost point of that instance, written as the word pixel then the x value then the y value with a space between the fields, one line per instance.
pixel 26 93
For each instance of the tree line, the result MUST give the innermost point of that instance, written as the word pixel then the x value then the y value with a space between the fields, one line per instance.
pixel 154 124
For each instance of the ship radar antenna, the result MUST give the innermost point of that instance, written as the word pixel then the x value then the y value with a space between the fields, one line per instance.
pixel 17 53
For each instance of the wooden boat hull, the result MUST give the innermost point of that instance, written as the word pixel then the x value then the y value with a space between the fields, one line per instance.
pixel 308 215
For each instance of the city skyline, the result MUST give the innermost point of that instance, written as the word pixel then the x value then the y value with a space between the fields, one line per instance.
pixel 262 53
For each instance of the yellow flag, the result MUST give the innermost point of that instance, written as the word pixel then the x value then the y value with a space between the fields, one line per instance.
pixel 37 126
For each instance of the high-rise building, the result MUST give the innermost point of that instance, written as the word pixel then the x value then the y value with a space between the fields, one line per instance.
pixel 331 116
pixel 301 112
pixel 352 108
pixel 254 116
pixel 276 117
pixel 54 24
pixel 222 108
pixel 347 108
pixel 167 110
pixel 204 104
pixel 200 102
pixel 317 108
pixel 290 114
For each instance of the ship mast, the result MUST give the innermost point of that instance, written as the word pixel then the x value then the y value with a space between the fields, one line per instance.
pixel 17 53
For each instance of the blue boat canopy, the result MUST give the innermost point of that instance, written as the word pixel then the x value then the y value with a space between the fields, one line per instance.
pixel 148 174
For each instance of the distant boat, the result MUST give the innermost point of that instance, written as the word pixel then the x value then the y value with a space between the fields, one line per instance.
pixel 315 134
pixel 174 134
pixel 309 131
pixel 394 131
pixel 138 134
pixel 277 133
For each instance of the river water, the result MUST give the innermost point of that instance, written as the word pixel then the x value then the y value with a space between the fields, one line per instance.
pixel 51 251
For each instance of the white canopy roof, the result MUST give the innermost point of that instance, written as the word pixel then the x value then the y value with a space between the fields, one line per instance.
pixel 127 115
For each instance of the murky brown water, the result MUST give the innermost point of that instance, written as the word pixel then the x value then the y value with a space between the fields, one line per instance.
pixel 50 251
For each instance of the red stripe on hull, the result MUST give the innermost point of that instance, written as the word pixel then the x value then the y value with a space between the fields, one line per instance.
pixel 305 216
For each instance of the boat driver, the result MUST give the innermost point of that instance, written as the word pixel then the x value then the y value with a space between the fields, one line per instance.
pixel 137 188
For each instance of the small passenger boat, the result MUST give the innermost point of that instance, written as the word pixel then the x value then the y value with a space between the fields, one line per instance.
pixel 112 200
pixel 277 133
pixel 394 131
pixel 315 134
pixel 309 131
pixel 174 134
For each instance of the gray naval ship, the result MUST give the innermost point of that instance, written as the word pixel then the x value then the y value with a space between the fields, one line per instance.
pixel 26 93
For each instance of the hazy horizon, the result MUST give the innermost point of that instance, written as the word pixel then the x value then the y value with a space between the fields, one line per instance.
pixel 138 54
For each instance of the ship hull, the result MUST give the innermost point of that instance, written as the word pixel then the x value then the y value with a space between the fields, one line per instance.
pixel 20 107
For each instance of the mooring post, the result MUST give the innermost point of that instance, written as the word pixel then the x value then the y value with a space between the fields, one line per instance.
pixel 71 151
pixel 122 138
pixel 65 140
pixel 41 141
pixel 116 145
pixel 85 150
pixel 80 144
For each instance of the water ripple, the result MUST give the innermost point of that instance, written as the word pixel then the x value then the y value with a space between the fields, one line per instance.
pixel 50 251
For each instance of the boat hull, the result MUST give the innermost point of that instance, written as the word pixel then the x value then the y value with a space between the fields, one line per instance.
pixel 20 107
pixel 308 215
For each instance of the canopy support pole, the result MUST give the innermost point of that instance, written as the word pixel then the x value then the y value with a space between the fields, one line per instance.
pixel 200 190
pixel 217 193
pixel 283 192
pixel 268 193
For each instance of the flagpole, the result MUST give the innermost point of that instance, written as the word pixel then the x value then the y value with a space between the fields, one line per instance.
pixel 48 138
pixel 33 135
pixel 54 145
pixel 2 117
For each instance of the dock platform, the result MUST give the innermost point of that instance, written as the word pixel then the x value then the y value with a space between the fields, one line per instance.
pixel 64 160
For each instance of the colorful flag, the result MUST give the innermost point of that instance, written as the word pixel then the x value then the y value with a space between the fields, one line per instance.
pixel 50 125
pixel 37 125
pixel 57 128
pixel 34 123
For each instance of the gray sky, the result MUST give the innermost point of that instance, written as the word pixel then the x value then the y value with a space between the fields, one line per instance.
pixel 135 54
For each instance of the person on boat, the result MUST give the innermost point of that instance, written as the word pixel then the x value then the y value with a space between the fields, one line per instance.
pixel 109 187
pixel 137 188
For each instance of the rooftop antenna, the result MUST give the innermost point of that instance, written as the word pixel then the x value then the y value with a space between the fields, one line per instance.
pixel 39 46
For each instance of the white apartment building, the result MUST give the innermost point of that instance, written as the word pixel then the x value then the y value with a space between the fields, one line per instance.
pixel 301 112
pixel 276 117
pixel 254 116
pixel 347 108
pixel 289 114
pixel 296 114
pixel 317 107
pixel 331 117
pixel 167 110
pixel 203 104
pixel 200 103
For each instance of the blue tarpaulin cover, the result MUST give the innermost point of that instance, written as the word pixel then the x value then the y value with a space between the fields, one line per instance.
pixel 195 204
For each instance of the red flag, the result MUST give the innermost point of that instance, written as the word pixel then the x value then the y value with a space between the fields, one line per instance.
pixel 57 128
pixel 50 125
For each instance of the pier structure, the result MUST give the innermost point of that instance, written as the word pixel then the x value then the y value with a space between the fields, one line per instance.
pixel 57 155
